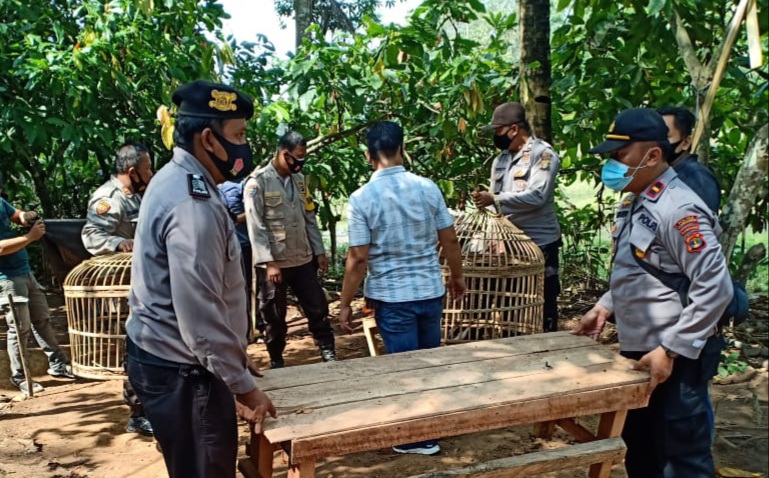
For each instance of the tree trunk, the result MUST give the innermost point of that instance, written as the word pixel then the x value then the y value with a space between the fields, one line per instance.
pixel 749 185
pixel 303 18
pixel 535 65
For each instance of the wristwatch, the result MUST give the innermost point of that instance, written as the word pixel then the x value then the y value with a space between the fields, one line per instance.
pixel 669 352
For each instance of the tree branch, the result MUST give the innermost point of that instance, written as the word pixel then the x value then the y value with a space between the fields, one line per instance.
pixel 323 141
pixel 700 76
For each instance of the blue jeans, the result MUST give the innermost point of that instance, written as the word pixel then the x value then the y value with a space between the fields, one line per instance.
pixel 406 326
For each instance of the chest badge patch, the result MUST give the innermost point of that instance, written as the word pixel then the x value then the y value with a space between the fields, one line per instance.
pixel 695 242
pixel 102 207
pixel 197 186
pixel 520 185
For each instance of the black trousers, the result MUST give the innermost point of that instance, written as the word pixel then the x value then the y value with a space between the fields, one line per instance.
pixel 552 286
pixel 304 281
pixel 192 414
pixel 673 436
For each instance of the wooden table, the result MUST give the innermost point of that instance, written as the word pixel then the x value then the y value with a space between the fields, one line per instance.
pixel 376 402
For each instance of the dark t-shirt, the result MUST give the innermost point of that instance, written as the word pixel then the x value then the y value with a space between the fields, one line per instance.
pixel 17 263
pixel 700 179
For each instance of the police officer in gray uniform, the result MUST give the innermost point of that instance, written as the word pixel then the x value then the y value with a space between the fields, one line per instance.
pixel 109 228
pixel 667 225
pixel 287 247
pixel 114 207
pixel 523 178
pixel 186 336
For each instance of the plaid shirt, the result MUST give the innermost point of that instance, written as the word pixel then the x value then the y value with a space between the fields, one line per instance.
pixel 399 214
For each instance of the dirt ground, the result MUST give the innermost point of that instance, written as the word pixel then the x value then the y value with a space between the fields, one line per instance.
pixel 77 429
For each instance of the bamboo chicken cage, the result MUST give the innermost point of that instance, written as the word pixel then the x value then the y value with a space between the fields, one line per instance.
pixel 504 273
pixel 96 295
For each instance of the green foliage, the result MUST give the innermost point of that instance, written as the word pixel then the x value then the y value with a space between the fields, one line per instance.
pixel 81 76
pixel 731 363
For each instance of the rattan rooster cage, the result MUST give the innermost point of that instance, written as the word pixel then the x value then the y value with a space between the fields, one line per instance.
pixel 96 295
pixel 505 276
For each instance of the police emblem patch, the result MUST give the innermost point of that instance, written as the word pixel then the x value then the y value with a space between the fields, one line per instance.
pixel 695 242
pixel 544 164
pixel 102 207
pixel 627 201
pixel 237 166
pixel 197 186
pixel 223 100
pixel 520 185
pixel 251 191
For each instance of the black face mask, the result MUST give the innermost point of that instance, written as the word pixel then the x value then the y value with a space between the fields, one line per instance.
pixel 138 187
pixel 295 165
pixel 502 141
pixel 674 147
pixel 239 159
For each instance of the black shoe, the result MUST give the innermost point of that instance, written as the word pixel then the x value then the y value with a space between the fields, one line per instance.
pixel 139 425
pixel 277 364
pixel 328 354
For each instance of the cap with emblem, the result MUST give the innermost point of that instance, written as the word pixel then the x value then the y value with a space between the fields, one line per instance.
pixel 203 99
pixel 633 125
pixel 506 114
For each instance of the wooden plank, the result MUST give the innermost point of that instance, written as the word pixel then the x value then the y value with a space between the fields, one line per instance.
pixel 353 369
pixel 321 395
pixel 548 461
pixel 378 436
pixel 436 403
pixel 580 433
pixel 369 329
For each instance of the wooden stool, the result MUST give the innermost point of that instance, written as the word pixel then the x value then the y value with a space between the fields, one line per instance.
pixel 369 330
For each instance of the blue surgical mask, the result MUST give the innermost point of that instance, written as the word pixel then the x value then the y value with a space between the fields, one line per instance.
pixel 613 174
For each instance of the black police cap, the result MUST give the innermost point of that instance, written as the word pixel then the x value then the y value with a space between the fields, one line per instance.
pixel 203 99
pixel 633 125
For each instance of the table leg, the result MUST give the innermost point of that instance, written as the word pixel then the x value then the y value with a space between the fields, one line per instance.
pixel 544 430
pixel 305 469
pixel 610 426
pixel 261 454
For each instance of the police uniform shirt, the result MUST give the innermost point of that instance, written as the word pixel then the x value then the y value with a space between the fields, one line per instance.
pixel 669 227
pixel 523 187
pixel 281 219
pixel 187 302
pixel 112 214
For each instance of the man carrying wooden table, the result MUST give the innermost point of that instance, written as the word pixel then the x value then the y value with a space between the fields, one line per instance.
pixel 667 225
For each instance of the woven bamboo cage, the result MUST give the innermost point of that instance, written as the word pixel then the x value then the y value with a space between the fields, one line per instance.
pixel 96 294
pixel 505 278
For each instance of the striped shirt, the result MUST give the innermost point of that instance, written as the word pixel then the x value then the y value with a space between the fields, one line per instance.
pixel 398 214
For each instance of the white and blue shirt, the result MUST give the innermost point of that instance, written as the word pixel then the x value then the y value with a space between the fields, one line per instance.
pixel 398 214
